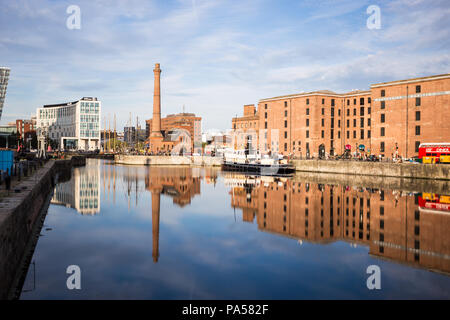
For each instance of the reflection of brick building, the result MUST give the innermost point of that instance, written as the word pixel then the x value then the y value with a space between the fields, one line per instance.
pixel 391 225
pixel 177 182
pixel 406 112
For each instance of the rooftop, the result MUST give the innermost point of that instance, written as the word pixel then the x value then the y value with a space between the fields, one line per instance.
pixel 69 103
pixel 428 78
pixel 60 104
pixel 357 92
pixel 182 114
pixel 317 93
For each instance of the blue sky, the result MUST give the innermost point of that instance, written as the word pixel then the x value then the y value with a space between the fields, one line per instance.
pixel 216 55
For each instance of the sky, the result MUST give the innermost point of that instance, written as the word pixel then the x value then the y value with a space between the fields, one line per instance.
pixel 215 55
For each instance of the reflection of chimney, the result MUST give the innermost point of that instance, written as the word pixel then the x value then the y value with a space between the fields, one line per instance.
pixel 156 121
pixel 155 224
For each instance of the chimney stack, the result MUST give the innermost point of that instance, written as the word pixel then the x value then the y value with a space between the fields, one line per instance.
pixel 156 121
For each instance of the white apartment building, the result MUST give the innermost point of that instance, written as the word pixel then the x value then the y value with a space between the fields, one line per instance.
pixel 72 125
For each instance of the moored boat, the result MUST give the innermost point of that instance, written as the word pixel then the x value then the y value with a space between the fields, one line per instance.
pixel 255 164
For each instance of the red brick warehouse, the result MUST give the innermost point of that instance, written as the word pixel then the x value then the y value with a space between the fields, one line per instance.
pixel 391 117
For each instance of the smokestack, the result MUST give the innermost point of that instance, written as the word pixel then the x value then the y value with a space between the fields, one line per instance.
pixel 156 121
pixel 156 195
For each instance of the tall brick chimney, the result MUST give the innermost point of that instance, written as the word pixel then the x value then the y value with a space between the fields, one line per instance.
pixel 156 121
pixel 155 223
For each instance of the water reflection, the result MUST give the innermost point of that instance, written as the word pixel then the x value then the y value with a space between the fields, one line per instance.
pixel 404 227
pixel 181 184
pixel 181 233
pixel 82 192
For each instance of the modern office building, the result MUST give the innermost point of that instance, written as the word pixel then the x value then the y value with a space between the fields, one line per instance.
pixel 391 117
pixel 4 77
pixel 73 125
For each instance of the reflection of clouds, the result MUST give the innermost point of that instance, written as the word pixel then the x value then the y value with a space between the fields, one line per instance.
pixel 204 254
pixel 124 264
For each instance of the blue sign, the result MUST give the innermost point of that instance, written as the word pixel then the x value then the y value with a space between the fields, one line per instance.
pixel 6 160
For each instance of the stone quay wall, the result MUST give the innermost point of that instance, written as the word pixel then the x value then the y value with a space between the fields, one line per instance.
pixel 361 168
pixel 20 212
pixel 168 160
pixel 375 182
pixel 378 169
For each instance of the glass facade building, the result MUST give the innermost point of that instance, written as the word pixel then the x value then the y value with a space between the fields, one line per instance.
pixel 4 77
pixel 72 125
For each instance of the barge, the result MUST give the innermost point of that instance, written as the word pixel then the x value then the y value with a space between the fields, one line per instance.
pixel 255 164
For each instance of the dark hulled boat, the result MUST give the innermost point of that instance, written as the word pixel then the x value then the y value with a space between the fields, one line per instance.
pixel 275 169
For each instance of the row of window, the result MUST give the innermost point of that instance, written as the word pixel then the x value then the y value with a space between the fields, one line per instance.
pixel 86 107
pixel 361 123
pixel 91 125
pixel 382 120
pixel 361 101
pixel 333 102
pixel 56 113
pixel 383 131
pixel 244 125
pixel 418 103
pixel 89 133
pixel 322 134
pixel 57 135
pixel 416 146
pixel 418 90
pixel 361 111
pixel 89 118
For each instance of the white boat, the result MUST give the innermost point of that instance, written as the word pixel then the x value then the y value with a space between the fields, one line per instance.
pixel 242 161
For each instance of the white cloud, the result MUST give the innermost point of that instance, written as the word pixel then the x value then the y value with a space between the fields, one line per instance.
pixel 216 55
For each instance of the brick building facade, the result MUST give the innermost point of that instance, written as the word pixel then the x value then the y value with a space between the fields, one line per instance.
pixel 26 129
pixel 410 112
pixel 246 127
pixel 184 121
pixel 392 116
